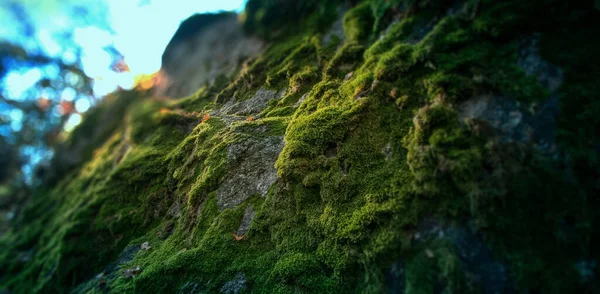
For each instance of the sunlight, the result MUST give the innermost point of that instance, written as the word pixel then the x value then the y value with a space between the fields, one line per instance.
pixel 16 83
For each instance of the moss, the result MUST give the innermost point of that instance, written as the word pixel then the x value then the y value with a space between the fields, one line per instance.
pixel 358 22
pixel 291 66
pixel 300 270
pixel 436 268
pixel 344 60
pixel 303 78
pixel 367 157
pixel 261 16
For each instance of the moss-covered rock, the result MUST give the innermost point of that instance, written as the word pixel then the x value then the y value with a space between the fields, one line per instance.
pixel 437 146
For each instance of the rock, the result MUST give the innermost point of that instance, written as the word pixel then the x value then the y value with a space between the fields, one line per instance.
pixel 387 151
pixel 394 278
pixel 146 246
pixel 235 286
pixel 207 51
pixel 175 210
pixel 504 114
pixel 514 123
pixel 166 231
pixel 244 227
pixel 126 256
pixel 124 148
pixel 476 255
pixel 190 288
pixel 254 105
pixel 112 272
pixel 336 31
pixel 301 100
pixel 348 76
pixel 252 170
pixel 477 258
pixel 530 61
pixel 512 120
pixel 132 272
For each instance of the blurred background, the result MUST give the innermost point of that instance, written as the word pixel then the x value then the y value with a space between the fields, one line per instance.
pixel 58 58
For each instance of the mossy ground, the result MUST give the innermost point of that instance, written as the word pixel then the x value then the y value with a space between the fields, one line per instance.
pixel 376 146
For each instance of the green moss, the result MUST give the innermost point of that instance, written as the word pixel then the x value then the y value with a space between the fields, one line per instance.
pixel 358 22
pixel 292 66
pixel 261 16
pixel 367 157
pixel 344 60
pixel 436 268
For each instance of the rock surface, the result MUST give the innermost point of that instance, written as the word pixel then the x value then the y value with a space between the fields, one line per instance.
pixel 252 170
pixel 207 52
pixel 254 105
pixel 235 286
pixel 244 227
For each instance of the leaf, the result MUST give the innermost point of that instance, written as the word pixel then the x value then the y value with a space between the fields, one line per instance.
pixel 66 107
pixel 250 118
pixel 238 238
pixel 206 117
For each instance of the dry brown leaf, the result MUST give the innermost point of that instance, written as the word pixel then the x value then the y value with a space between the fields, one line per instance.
pixel 66 107
pixel 238 238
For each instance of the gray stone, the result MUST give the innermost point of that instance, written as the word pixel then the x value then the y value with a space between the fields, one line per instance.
pixel 301 100
pixel 513 122
pixel 530 61
pixel 244 227
pixel 336 30
pixel 504 114
pixel 209 52
pixel 227 119
pixel 111 272
pixel 175 209
pixel 235 286
pixel 124 257
pixel 123 150
pixel 395 278
pixel 254 105
pixel 387 151
pixel 252 170
pixel 516 122
pixel 477 258
pixel 190 288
